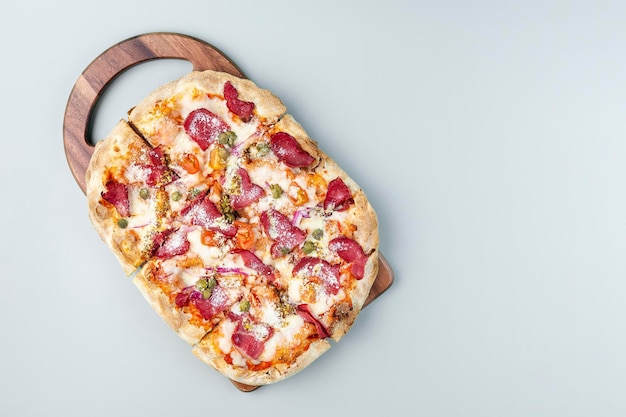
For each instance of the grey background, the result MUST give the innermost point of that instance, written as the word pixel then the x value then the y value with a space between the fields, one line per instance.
pixel 488 135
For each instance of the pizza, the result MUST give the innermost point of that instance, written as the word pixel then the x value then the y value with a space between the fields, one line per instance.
pixel 249 241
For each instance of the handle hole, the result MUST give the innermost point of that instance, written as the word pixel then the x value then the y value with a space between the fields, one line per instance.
pixel 127 90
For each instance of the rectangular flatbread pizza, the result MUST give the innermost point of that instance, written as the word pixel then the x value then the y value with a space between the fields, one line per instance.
pixel 250 242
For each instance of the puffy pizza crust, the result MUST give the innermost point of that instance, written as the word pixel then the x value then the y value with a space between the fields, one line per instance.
pixel 358 295
pixel 363 216
pixel 267 376
pixel 107 155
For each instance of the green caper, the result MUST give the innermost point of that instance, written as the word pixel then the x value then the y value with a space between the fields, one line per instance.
pixel 276 190
pixel 206 293
pixel 229 214
pixel 227 138
pixel 222 138
pixel 309 247
pixel 244 305
pixel 262 148
pixel 317 234
pixel 122 223
pixel 223 153
pixel 176 195
pixel 211 282
pixel 144 193
pixel 202 284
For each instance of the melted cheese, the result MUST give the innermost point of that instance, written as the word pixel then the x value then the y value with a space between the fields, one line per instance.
pixel 143 212
pixel 227 329
pixel 270 315
pixel 282 336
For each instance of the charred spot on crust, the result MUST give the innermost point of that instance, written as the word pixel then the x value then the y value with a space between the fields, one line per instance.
pixel 342 310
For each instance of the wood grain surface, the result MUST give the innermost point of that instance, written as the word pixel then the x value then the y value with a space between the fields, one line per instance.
pixel 124 55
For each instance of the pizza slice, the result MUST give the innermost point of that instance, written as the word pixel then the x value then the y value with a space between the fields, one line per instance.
pixel 264 338
pixel 128 205
pixel 195 273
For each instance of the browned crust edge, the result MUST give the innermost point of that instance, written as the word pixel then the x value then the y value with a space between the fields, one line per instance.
pixel 102 218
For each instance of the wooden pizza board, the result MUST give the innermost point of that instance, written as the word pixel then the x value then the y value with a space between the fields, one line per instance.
pixel 124 55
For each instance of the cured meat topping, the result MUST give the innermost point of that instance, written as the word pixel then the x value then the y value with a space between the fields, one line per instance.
pixel 252 261
pixel 241 108
pixel 209 307
pixel 171 243
pixel 248 192
pixel 287 149
pixel 338 196
pixel 156 172
pixel 204 126
pixel 279 228
pixel 350 251
pixel 320 269
pixel 250 338
pixel 202 212
pixel 117 194
pixel 305 313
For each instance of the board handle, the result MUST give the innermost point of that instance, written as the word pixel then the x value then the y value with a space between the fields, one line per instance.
pixel 113 62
